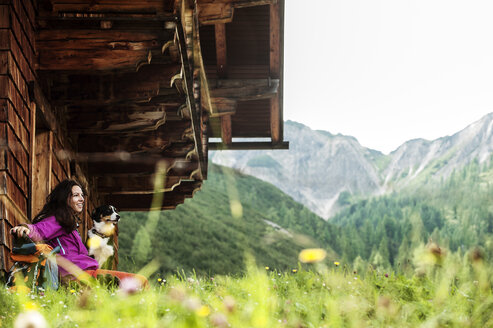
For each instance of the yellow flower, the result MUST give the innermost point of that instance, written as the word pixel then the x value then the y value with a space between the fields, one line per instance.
pixel 159 279
pixel 30 306
pixel 267 268
pixel 94 242
pixel 203 311
pixel 72 291
pixel 312 255
pixel 295 270
pixel 336 263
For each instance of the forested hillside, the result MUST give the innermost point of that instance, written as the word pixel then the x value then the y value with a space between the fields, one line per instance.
pixel 456 214
pixel 212 232
pixel 232 215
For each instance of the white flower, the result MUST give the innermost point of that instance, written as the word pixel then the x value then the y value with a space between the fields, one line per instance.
pixel 129 286
pixel 30 319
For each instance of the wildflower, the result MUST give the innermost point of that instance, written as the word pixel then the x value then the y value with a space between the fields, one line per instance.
pixel 219 320
pixel 203 311
pixel 336 263
pixel 30 319
pixel 129 286
pixel 192 304
pixel 312 255
pixel 28 306
pixel 159 279
pixel 267 268
pixel 386 275
pixel 72 291
pixel 294 270
pixel 229 303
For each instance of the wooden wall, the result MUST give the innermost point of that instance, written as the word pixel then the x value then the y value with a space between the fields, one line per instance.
pixel 17 71
pixel 33 157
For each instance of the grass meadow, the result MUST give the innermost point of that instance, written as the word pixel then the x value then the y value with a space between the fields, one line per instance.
pixel 443 290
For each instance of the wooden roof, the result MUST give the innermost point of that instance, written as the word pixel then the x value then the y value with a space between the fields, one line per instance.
pixel 141 86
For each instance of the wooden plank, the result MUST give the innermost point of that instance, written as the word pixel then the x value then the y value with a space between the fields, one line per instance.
pixel 224 106
pixel 9 66
pixel 110 6
pixel 215 13
pixel 42 163
pixel 275 43
pixel 135 184
pixel 5 16
pixel 20 153
pixel 144 202
pixel 248 145
pixel 97 39
pixel 244 89
pixel 226 133
pixel 25 40
pixel 19 175
pixel 275 121
pixel 13 193
pixel 61 155
pixel 8 42
pixel 90 59
pixel 25 9
pixel 10 116
pixel 221 52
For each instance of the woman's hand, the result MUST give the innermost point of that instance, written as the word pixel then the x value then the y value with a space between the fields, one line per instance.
pixel 20 230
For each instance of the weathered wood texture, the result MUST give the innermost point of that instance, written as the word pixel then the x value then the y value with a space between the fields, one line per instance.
pixel 16 108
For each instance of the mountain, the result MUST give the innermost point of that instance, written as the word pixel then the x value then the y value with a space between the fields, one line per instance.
pixel 322 170
pixel 232 215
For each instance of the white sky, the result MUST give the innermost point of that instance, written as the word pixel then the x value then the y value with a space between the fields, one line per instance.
pixel 386 71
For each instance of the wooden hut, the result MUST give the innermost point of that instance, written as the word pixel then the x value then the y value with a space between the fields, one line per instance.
pixel 128 97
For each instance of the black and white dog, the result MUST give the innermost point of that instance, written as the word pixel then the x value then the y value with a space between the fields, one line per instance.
pixel 104 219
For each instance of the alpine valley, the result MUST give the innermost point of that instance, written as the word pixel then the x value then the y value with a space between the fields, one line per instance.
pixel 322 170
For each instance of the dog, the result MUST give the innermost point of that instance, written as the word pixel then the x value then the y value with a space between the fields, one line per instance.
pixel 104 219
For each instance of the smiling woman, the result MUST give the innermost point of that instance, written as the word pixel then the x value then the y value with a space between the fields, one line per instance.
pixel 57 225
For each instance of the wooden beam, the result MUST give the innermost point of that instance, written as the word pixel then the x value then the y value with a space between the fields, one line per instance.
pixel 83 89
pixel 144 202
pixel 221 53
pixel 42 166
pixel 221 11
pixel 140 166
pixel 276 121
pixel 194 107
pixel 135 184
pixel 244 89
pixel 95 49
pixel 215 13
pixel 261 145
pixel 223 106
pixel 226 132
pixel 275 44
pixel 130 6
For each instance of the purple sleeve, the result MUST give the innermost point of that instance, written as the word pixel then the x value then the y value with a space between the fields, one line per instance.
pixel 46 229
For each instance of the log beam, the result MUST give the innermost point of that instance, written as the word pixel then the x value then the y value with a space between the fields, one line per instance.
pixel 276 120
pixel 244 89
pixel 221 11
pixel 221 53
pixel 95 49
pixel 226 131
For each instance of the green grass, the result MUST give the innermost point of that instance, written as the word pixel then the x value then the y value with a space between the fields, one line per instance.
pixel 445 291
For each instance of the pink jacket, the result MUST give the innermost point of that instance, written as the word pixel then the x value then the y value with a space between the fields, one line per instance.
pixel 71 246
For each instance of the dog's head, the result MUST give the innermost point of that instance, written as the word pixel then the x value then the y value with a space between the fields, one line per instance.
pixel 105 218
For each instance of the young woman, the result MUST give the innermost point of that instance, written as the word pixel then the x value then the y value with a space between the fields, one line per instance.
pixel 57 224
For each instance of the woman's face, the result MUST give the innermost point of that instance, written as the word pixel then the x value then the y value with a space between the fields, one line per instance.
pixel 76 200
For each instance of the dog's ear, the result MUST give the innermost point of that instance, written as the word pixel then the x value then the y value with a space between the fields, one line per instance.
pixel 95 215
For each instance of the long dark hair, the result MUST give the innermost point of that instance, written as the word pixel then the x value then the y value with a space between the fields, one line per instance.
pixel 57 205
